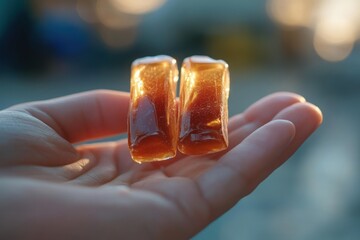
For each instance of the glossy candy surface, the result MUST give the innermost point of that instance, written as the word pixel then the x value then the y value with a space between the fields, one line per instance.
pixel 204 93
pixel 152 120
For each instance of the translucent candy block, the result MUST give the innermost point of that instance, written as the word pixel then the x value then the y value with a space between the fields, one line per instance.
pixel 204 93
pixel 152 121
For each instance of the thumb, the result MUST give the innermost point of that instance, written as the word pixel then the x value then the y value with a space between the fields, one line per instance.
pixel 27 140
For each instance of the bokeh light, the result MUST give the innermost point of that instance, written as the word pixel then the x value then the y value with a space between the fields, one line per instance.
pixel 113 18
pixel 336 30
pixel 335 23
pixel 338 21
pixel 330 51
pixel 291 12
pixel 116 20
pixel 137 6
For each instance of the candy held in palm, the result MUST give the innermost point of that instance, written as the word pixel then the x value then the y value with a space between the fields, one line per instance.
pixel 204 93
pixel 155 130
pixel 152 120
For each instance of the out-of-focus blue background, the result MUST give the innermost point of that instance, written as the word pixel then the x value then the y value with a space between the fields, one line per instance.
pixel 52 48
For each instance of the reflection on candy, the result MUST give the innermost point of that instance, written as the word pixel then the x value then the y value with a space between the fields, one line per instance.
pixel 204 96
pixel 152 126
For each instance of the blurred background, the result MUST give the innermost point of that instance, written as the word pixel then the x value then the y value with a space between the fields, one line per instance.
pixel 52 48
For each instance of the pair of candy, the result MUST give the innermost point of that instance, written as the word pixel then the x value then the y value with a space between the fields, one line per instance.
pixel 158 126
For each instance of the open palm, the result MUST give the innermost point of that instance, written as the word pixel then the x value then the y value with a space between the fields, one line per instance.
pixel 52 187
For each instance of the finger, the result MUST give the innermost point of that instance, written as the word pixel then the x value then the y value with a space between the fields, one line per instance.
pixel 307 118
pixel 265 109
pixel 234 175
pixel 289 113
pixel 83 116
pixel 242 125
pixel 261 112
pixel 192 167
pixel 25 140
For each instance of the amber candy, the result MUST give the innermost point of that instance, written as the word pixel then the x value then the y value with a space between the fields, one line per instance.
pixel 152 120
pixel 204 92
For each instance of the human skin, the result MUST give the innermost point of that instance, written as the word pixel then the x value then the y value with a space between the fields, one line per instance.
pixel 53 186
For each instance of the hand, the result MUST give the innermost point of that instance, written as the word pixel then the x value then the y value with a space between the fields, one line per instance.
pixel 54 188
